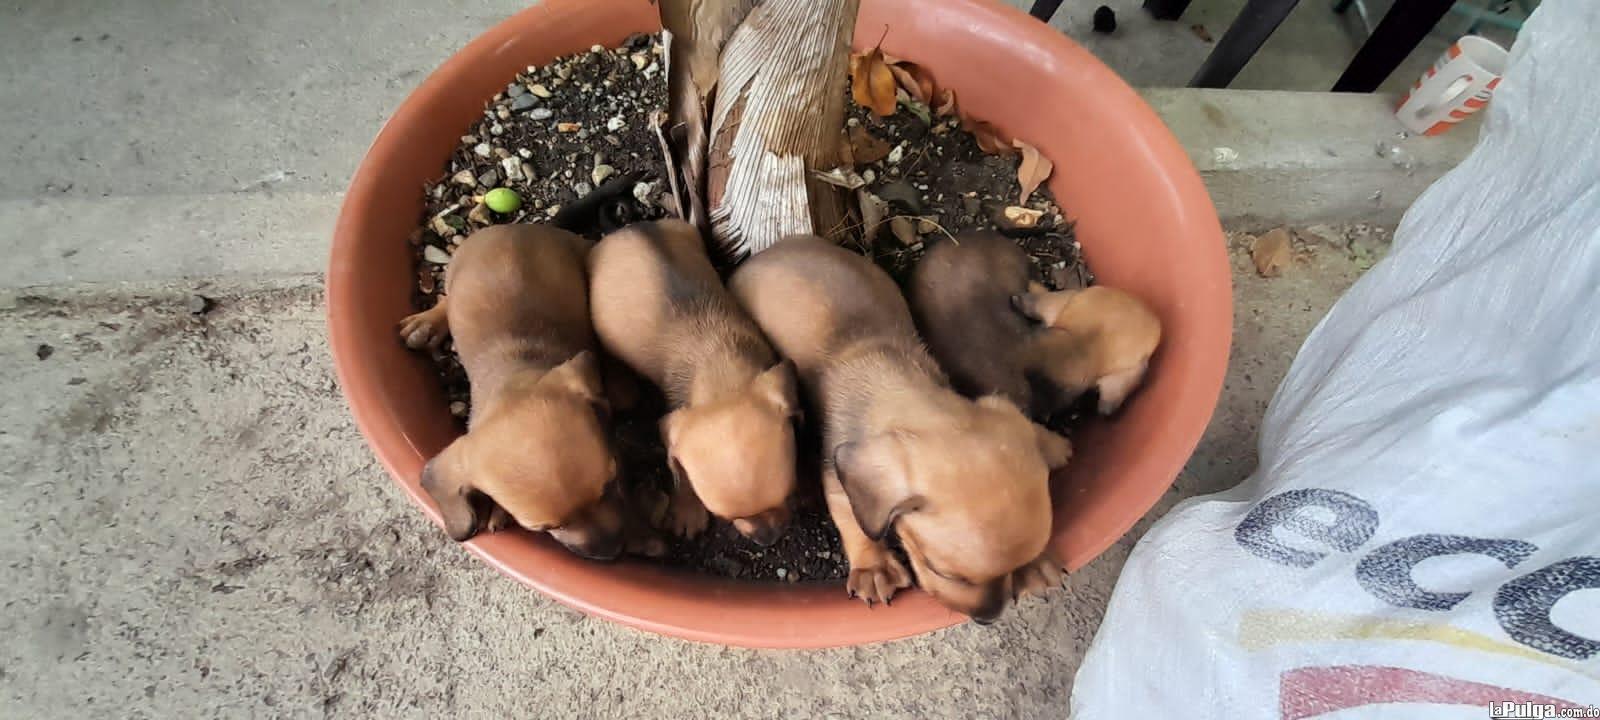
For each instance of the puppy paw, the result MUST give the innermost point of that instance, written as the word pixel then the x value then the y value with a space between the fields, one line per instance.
pixel 499 520
pixel 1037 577
pixel 687 517
pixel 878 578
pixel 427 329
pixel 646 543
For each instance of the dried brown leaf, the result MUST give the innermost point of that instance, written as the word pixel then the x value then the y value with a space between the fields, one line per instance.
pixel 917 82
pixel 947 104
pixel 989 137
pixel 872 84
pixel 1201 32
pixel 905 230
pixel 841 177
pixel 865 147
pixel 1020 217
pixel 1271 253
pixel 1033 171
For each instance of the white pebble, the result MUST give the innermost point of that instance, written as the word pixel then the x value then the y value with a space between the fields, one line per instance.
pixel 895 155
pixel 651 70
pixel 541 113
pixel 783 573
pixel 597 48
pixel 435 255
pixel 616 123
pixel 601 172
pixel 643 191
pixel 525 153
pixel 512 168
pixel 465 178
pixel 640 61
pixel 482 150
pixel 539 90
pixel 497 129
pixel 868 175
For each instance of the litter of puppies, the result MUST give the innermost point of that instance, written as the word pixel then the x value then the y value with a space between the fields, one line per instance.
pixel 925 420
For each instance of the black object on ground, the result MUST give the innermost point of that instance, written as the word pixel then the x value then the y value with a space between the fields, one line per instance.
pixel 1105 20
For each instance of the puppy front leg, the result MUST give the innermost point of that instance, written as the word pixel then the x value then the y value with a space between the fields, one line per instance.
pixel 686 515
pixel 1037 577
pixel 875 573
pixel 426 329
pixel 499 520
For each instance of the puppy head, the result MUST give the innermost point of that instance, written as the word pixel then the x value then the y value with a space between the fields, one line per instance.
pixel 1097 337
pixel 971 504
pixel 538 449
pixel 738 453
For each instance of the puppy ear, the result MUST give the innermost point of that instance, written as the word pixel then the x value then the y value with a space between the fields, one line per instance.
pixel 1116 387
pixel 874 476
pixel 1057 450
pixel 779 386
pixel 1044 307
pixel 580 375
pixel 444 479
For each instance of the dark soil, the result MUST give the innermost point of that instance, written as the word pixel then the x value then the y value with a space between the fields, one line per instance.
pixel 942 175
pixel 597 113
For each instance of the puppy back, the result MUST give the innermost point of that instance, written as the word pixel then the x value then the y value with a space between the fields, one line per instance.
pixel 523 286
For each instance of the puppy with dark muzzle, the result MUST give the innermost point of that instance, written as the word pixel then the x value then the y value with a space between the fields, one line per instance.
pixel 964 483
pixel 973 301
pixel 660 307
pixel 536 452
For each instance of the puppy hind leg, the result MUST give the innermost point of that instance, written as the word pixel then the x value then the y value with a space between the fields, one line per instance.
pixel 426 329
pixel 875 573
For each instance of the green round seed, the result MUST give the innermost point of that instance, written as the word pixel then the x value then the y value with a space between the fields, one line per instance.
pixel 503 200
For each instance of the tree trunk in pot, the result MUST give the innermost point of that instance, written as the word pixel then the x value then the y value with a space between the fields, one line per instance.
pixel 775 115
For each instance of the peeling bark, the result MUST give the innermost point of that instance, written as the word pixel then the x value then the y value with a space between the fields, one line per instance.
pixel 775 116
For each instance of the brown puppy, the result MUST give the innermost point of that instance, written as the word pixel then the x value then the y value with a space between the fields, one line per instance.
pixel 516 303
pixel 964 483
pixel 960 293
pixel 660 307
pixel 967 296
pixel 1097 337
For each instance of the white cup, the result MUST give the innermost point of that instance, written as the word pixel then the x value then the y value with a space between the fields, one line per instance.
pixel 1458 85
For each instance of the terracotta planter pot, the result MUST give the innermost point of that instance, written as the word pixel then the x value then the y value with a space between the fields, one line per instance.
pixel 1144 219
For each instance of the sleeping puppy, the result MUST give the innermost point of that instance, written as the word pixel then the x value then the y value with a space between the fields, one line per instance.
pixel 536 452
pixel 1096 338
pixel 972 299
pixel 964 483
pixel 660 307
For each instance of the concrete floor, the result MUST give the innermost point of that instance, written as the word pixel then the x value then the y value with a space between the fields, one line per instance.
pixel 191 524
pixel 194 528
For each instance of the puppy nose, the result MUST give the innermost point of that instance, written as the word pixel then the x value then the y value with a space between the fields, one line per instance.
pixel 762 530
pixel 986 620
pixel 767 535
